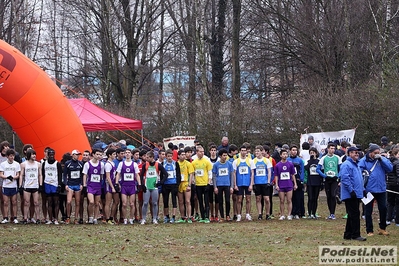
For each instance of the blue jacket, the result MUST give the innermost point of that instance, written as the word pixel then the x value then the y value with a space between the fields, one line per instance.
pixel 299 167
pixel 377 180
pixel 351 179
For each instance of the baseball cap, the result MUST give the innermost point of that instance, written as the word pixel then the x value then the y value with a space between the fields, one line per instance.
pixel 353 149
pixel 75 152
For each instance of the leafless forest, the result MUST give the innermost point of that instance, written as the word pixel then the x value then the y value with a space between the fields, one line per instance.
pixel 256 70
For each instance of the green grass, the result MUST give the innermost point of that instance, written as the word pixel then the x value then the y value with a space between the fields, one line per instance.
pixel 251 243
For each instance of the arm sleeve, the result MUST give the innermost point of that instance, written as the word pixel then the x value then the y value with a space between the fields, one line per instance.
pixel 178 174
pixel 302 171
pixel 65 175
pixel 59 171
pixel 43 172
pixel 142 172
pixel 214 176
pixel 318 170
pixel 164 174
pixel 231 177
pixel 386 164
pixel 345 179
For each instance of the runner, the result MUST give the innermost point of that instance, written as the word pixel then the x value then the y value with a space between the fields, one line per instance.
pixel 74 186
pixel 85 158
pixel 222 173
pixel 314 181
pixel 262 181
pixel 52 179
pixel 43 193
pixel 112 195
pixel 243 176
pixel 120 157
pixel 170 186
pixel 152 175
pixel 330 164
pixel 203 175
pixel 127 176
pixel 4 146
pixel 9 173
pixel 284 174
pixel 31 182
pixel 214 208
pixel 93 174
pixel 184 193
pixel 298 195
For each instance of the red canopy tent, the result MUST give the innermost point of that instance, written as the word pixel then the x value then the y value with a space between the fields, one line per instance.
pixel 94 118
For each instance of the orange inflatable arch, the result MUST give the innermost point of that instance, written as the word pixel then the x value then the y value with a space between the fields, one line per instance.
pixel 35 107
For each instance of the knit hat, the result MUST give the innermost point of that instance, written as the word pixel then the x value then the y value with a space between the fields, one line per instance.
pixel 384 140
pixel 373 147
pixel 286 147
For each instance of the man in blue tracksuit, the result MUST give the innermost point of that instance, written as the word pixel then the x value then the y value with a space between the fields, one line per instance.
pixel 352 191
pixel 377 167
pixel 298 196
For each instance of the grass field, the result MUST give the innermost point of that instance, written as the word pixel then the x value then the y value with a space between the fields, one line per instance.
pixel 245 243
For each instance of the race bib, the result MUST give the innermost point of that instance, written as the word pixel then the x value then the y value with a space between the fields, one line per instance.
pixel 312 170
pixel 223 172
pixel 75 174
pixel 151 173
pixel 171 174
pixel 128 177
pixel 330 174
pixel 261 172
pixel 243 170
pixel 95 178
pixel 284 176
pixel 199 172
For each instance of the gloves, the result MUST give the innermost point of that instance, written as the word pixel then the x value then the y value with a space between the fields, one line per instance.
pixel 10 178
pixel 364 193
pixel 353 195
pixel 117 188
pixel 144 188
pixel 41 188
pixel 377 157
pixel 84 191
pixel 20 189
pixel 58 190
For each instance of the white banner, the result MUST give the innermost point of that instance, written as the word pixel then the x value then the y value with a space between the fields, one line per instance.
pixel 186 140
pixel 323 138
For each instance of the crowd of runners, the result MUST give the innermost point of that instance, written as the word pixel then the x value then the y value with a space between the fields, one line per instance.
pixel 120 184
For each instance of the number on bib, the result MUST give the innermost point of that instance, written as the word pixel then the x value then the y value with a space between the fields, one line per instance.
pixel 75 174
pixel 128 177
pixel 261 172
pixel 223 172
pixel 330 174
pixel 199 172
pixel 284 176
pixel 243 170
pixel 312 170
pixel 171 174
pixel 95 178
